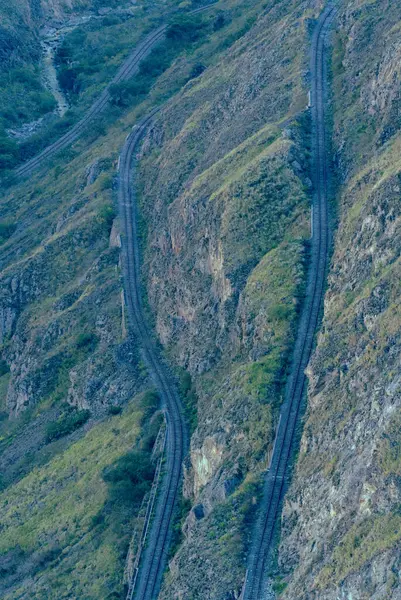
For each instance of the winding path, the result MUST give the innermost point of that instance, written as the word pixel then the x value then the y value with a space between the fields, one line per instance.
pixel 277 476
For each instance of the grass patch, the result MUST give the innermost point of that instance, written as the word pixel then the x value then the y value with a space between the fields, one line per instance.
pixel 69 522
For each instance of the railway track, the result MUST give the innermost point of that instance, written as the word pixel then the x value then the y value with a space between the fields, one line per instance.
pixel 151 568
pixel 277 475
pixel 127 70
pixel 154 559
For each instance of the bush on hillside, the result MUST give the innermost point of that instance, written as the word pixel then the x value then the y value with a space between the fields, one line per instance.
pixel 6 230
pixel 4 368
pixel 185 28
pixel 66 424
pixel 130 477
pixel 87 341
pixel 197 70
pixel 8 152
pixel 124 93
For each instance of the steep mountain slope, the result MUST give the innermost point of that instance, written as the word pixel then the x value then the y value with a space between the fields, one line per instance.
pixel 63 324
pixel 87 41
pixel 342 523
pixel 68 363
pixel 62 534
pixel 225 190
pixel 64 340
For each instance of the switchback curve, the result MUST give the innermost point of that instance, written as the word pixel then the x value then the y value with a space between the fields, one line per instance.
pixel 277 475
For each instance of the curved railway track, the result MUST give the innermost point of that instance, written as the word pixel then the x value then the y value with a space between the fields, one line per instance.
pixel 155 555
pixel 129 68
pixel 276 478
pixel 152 567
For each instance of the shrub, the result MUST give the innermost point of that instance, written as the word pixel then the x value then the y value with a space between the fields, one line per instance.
pixel 46 557
pixel 280 312
pixel 219 22
pixel 190 399
pixel 27 77
pixel 279 586
pixel 197 70
pixel 66 424
pixel 150 402
pixel 6 230
pixel 106 183
pixel 177 535
pixel 130 477
pixel 4 368
pixel 86 341
pixel 8 152
pixel 126 92
pixel 157 62
pixel 185 28
pixel 68 79
pixel 45 102
pixel 115 410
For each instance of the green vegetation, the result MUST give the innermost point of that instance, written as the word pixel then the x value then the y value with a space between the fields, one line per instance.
pixel 87 341
pixel 89 54
pixel 279 585
pixel 190 399
pixel 66 219
pixel 179 518
pixel 389 450
pixel 67 423
pixel 9 151
pixel 230 524
pixel 115 410
pixel 4 368
pixel 130 477
pixel 22 94
pixel 182 32
pixel 87 59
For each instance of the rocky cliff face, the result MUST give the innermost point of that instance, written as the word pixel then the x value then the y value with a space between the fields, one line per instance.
pixel 61 312
pixel 342 524
pixel 224 190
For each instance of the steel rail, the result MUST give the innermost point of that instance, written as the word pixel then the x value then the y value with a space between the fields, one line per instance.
pixel 276 478
pixel 150 574
pixel 155 555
